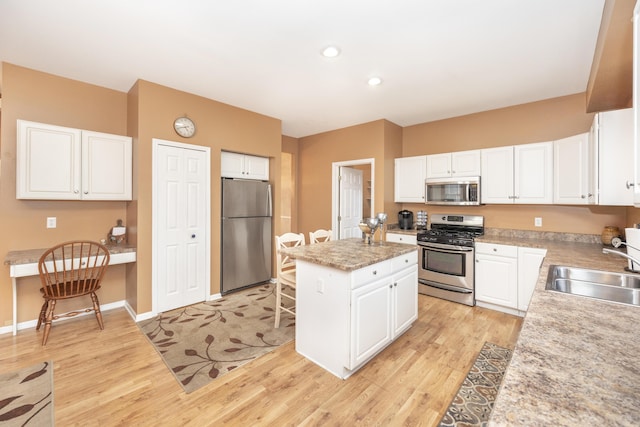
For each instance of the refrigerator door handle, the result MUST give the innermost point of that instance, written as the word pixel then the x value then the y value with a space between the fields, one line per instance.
pixel 269 206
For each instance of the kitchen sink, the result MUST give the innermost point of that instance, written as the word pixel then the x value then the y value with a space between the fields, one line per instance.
pixel 615 287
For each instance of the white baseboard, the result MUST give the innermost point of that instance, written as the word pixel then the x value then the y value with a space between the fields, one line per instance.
pixel 34 322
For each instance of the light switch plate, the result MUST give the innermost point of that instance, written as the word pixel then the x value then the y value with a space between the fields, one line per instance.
pixel 51 222
pixel 537 221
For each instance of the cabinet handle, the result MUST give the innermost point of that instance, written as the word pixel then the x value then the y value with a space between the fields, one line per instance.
pixel 406 261
pixel 629 184
pixel 390 286
pixel 395 284
pixel 375 272
pixel 495 249
pixel 76 191
pixel 86 192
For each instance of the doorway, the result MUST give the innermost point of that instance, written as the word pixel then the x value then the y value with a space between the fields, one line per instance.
pixel 367 166
pixel 181 200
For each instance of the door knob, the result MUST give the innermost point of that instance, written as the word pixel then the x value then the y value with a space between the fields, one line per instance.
pixel 193 236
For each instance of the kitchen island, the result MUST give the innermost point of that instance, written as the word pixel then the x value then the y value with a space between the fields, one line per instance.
pixel 576 359
pixel 352 300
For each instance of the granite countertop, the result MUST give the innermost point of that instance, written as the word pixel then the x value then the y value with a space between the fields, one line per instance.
pixel 30 256
pixel 576 360
pixel 348 254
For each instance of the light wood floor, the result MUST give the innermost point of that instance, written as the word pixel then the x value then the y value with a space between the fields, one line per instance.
pixel 115 377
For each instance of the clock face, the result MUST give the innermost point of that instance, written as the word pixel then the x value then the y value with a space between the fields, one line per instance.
pixel 184 127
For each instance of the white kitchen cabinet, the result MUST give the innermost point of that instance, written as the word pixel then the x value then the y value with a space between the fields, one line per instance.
pixel 460 163
pixel 506 276
pixel 497 274
pixel 520 174
pixel 344 318
pixel 614 138
pixel 573 182
pixel 236 165
pixel 410 173
pixel 60 163
pixel 409 239
pixel 529 262
pixel 636 105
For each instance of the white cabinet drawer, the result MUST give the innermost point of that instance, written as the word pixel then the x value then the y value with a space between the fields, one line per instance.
pixel 496 249
pixel 370 273
pixel 402 238
pixel 404 261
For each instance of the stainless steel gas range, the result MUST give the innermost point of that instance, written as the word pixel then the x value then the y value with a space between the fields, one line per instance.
pixel 446 264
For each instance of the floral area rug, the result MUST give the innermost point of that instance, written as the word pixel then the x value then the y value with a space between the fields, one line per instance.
pixel 26 397
pixel 473 403
pixel 202 342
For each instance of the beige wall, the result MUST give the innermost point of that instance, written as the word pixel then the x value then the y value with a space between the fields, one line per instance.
pixel 538 121
pixel 40 97
pixel 317 153
pixel 146 112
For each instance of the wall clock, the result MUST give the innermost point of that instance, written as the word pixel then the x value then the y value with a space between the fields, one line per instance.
pixel 184 126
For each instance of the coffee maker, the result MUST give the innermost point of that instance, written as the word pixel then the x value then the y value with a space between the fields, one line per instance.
pixel 405 220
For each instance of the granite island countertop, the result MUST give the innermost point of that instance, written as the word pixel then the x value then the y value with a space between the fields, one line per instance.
pixel 348 254
pixel 576 361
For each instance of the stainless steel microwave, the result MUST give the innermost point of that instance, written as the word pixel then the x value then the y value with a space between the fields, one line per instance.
pixel 460 191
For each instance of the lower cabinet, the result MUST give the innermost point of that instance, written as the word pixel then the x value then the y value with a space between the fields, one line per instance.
pixel 344 319
pixel 506 276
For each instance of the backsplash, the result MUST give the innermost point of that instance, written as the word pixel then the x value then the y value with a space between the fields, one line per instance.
pixel 546 235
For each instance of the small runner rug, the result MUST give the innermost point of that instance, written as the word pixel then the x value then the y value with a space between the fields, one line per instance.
pixel 473 404
pixel 26 396
pixel 202 342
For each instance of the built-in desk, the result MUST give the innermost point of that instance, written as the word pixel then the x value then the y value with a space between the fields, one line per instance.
pixel 25 263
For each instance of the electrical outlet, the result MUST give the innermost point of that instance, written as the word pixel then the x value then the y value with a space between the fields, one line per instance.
pixel 537 221
pixel 51 222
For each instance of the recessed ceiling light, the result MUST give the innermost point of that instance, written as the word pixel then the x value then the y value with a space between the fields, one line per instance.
pixel 374 81
pixel 330 52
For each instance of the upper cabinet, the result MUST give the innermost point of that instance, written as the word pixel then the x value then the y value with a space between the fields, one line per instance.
pixel 574 179
pixel 461 163
pixel 60 163
pixel 236 165
pixel 614 135
pixel 410 173
pixel 518 174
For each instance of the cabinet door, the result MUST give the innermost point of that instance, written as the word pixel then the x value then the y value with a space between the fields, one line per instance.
pixel 465 163
pixel 48 162
pixel 529 262
pixel 533 173
pixel 256 168
pixel 439 165
pixel 405 299
pixel 497 280
pixel 402 238
pixel 106 166
pixel 410 173
pixel 571 159
pixel 615 163
pixel 497 175
pixel 231 165
pixel 370 320
pixel 636 104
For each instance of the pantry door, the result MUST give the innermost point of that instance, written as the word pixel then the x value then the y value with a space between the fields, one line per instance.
pixel 181 225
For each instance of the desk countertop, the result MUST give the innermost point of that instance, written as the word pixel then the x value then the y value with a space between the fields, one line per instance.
pixel 30 256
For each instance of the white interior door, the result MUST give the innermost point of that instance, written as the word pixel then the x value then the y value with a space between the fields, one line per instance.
pixel 181 219
pixel 350 202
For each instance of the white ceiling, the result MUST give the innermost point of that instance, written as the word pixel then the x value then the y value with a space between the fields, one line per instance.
pixel 437 58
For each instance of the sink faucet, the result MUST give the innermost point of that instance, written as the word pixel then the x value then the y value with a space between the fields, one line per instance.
pixel 616 243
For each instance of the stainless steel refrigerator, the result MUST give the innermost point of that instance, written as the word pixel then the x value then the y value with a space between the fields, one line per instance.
pixel 246 233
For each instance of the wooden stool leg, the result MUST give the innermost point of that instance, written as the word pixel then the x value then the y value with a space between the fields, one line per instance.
pixel 278 303
pixel 43 313
pixel 47 321
pixel 96 308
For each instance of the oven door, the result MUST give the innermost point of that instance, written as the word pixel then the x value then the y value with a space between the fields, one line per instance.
pixel 447 267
